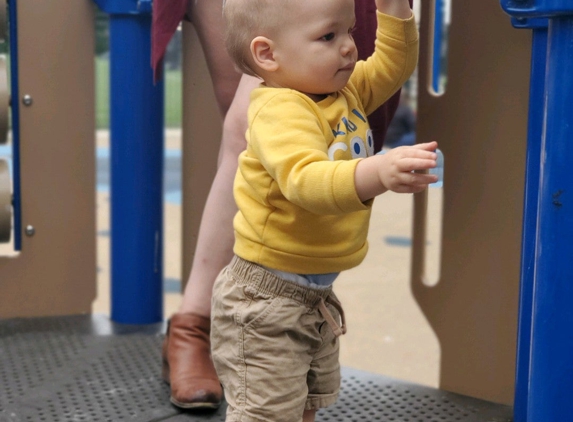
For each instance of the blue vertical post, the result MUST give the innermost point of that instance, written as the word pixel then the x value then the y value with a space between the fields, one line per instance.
pixel 15 121
pixel 437 44
pixel 551 378
pixel 546 391
pixel 532 168
pixel 136 116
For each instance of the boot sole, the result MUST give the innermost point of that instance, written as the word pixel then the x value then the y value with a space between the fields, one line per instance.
pixel 197 405
pixel 181 405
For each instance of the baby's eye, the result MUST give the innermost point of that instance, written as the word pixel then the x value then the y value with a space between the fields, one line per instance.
pixel 328 37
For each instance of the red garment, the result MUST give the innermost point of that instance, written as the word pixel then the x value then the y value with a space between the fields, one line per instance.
pixel 364 36
pixel 167 14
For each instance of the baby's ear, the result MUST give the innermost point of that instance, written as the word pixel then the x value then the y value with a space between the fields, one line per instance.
pixel 262 52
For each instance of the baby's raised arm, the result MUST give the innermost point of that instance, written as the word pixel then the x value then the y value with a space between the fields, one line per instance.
pixel 396 171
pixel 398 8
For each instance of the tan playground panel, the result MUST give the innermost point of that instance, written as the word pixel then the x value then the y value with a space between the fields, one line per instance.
pixel 54 274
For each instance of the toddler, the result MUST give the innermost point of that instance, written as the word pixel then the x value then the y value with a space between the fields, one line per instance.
pixel 304 189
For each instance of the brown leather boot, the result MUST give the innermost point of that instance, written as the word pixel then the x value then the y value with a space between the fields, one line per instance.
pixel 187 363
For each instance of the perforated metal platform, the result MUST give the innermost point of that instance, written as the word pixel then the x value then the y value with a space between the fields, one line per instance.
pixel 85 368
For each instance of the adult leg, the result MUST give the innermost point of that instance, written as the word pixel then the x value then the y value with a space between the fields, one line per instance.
pixel 186 351
pixel 215 241
pixel 207 18
pixel 187 359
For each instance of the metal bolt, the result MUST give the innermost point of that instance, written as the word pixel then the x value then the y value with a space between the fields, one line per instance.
pixel 27 100
pixel 30 230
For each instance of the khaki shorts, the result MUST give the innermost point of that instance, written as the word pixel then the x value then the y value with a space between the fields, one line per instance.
pixel 275 352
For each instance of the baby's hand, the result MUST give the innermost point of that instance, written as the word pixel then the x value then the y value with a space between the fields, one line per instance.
pixel 402 168
pixel 398 8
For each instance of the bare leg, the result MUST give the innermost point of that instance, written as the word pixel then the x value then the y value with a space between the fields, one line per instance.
pixel 215 242
pixel 308 415
pixel 187 364
pixel 207 18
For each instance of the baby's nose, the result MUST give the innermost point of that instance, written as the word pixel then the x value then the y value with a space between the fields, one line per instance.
pixel 348 47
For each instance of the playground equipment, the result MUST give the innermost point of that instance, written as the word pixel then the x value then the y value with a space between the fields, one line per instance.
pixel 136 114
pixel 545 346
pixel 5 184
pixel 473 308
pixel 5 202
pixel 51 267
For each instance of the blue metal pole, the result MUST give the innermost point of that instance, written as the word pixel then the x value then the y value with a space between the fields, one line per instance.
pixel 533 157
pixel 15 120
pixel 136 173
pixel 551 374
pixel 437 44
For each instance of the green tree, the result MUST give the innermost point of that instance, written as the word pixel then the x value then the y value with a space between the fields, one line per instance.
pixel 101 33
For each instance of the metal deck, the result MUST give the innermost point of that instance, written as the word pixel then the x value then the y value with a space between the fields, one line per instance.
pixel 86 368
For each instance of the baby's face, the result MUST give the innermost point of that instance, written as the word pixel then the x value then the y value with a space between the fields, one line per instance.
pixel 315 49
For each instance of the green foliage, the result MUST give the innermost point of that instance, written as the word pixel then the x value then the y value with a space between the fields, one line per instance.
pixel 173 96
pixel 102 93
pixel 101 33
pixel 172 75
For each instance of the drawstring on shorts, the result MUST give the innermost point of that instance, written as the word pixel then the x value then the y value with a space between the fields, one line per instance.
pixel 337 329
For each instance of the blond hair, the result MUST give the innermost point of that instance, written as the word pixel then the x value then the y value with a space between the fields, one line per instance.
pixel 245 20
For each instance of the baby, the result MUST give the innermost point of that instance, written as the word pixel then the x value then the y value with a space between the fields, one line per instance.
pixel 304 189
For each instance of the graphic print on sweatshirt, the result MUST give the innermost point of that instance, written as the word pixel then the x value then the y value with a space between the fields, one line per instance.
pixel 359 147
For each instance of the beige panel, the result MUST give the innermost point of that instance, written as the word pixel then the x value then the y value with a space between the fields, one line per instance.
pixel 4 99
pixel 5 202
pixel 3 20
pixel 56 271
pixel 480 124
pixel 201 140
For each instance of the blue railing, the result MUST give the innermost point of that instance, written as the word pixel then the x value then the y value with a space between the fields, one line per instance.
pixel 545 343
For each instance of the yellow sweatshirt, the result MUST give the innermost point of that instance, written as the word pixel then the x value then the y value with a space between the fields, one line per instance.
pixel 298 207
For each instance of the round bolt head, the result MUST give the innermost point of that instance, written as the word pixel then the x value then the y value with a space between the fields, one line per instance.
pixel 27 100
pixel 30 230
